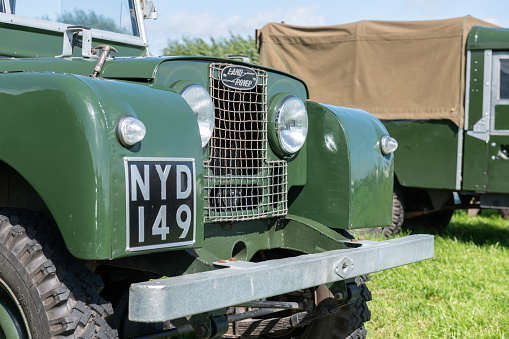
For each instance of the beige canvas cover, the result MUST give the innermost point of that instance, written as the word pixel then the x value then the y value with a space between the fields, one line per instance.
pixel 392 69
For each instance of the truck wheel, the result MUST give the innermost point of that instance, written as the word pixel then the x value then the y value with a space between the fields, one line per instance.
pixel 45 292
pixel 398 212
pixel 348 323
pixel 437 221
pixel 504 212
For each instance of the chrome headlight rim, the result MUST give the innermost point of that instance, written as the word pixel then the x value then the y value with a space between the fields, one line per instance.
pixel 277 110
pixel 205 119
pixel 123 137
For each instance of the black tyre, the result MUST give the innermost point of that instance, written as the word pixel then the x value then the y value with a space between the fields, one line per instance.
pixel 504 212
pixel 398 212
pixel 436 221
pixel 348 323
pixel 47 292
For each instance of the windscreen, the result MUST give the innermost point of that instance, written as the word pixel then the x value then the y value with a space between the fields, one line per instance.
pixel 109 15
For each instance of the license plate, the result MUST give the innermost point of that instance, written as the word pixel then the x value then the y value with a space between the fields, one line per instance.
pixel 160 202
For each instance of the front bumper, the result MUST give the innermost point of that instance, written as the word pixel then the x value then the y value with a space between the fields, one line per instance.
pixel 241 281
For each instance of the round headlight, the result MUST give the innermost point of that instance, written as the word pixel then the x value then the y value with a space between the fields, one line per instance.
pixel 201 103
pixel 291 124
pixel 130 130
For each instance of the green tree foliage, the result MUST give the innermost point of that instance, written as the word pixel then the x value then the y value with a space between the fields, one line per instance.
pixel 234 45
pixel 91 19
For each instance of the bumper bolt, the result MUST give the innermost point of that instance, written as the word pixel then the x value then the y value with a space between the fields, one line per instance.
pixel 201 331
pixel 339 296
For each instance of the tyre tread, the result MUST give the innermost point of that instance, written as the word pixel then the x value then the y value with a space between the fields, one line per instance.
pixel 68 290
pixel 351 319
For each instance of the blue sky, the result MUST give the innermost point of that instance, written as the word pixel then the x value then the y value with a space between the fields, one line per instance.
pixel 204 19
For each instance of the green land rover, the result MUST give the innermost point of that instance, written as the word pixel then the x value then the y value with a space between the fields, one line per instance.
pixel 440 87
pixel 150 197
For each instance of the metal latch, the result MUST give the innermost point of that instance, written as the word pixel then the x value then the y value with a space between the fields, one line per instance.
pixel 242 57
pixel 71 34
pixel 105 54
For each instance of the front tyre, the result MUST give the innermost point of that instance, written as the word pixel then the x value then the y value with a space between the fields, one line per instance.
pixel 47 293
pixel 348 323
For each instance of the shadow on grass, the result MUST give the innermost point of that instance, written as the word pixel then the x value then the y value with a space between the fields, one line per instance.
pixel 488 229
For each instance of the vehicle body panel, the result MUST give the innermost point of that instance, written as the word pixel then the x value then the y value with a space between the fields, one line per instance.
pixel 78 189
pixel 355 163
pixel 423 145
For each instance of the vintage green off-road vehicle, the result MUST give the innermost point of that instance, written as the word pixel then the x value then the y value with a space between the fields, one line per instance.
pixel 150 197
pixel 440 87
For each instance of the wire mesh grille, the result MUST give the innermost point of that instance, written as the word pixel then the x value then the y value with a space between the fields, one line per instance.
pixel 240 183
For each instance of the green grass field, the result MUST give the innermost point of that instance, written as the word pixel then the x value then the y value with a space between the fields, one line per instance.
pixel 462 293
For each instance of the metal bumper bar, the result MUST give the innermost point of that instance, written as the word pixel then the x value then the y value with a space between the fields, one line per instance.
pixel 241 281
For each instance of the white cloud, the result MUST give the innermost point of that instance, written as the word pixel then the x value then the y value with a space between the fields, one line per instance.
pixel 502 23
pixel 429 7
pixel 204 25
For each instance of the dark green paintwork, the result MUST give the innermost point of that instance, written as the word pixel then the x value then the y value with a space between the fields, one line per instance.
pixel 484 169
pixel 168 135
pixel 476 88
pixel 69 153
pixel 242 241
pixel 481 38
pixel 475 164
pixel 498 164
pixel 502 117
pixel 347 176
pixel 292 233
pixel 24 42
pixel 475 153
pixel 427 152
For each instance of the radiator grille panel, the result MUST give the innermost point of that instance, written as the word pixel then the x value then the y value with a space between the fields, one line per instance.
pixel 240 183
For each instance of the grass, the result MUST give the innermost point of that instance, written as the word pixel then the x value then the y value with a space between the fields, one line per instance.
pixel 462 293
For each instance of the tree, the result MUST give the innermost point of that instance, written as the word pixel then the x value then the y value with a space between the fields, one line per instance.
pixel 90 19
pixel 234 45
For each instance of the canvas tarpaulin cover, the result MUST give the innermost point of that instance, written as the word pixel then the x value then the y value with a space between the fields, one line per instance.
pixel 392 69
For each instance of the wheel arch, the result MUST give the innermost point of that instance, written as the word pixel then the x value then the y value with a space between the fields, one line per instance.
pixel 17 192
pixel 53 149
pixel 59 135
pixel 342 191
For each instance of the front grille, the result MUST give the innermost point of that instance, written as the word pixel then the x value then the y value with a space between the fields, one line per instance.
pixel 240 182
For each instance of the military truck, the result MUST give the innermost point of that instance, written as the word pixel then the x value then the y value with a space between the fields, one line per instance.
pixel 151 197
pixel 440 87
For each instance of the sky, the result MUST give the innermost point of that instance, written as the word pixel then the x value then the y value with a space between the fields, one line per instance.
pixel 205 19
